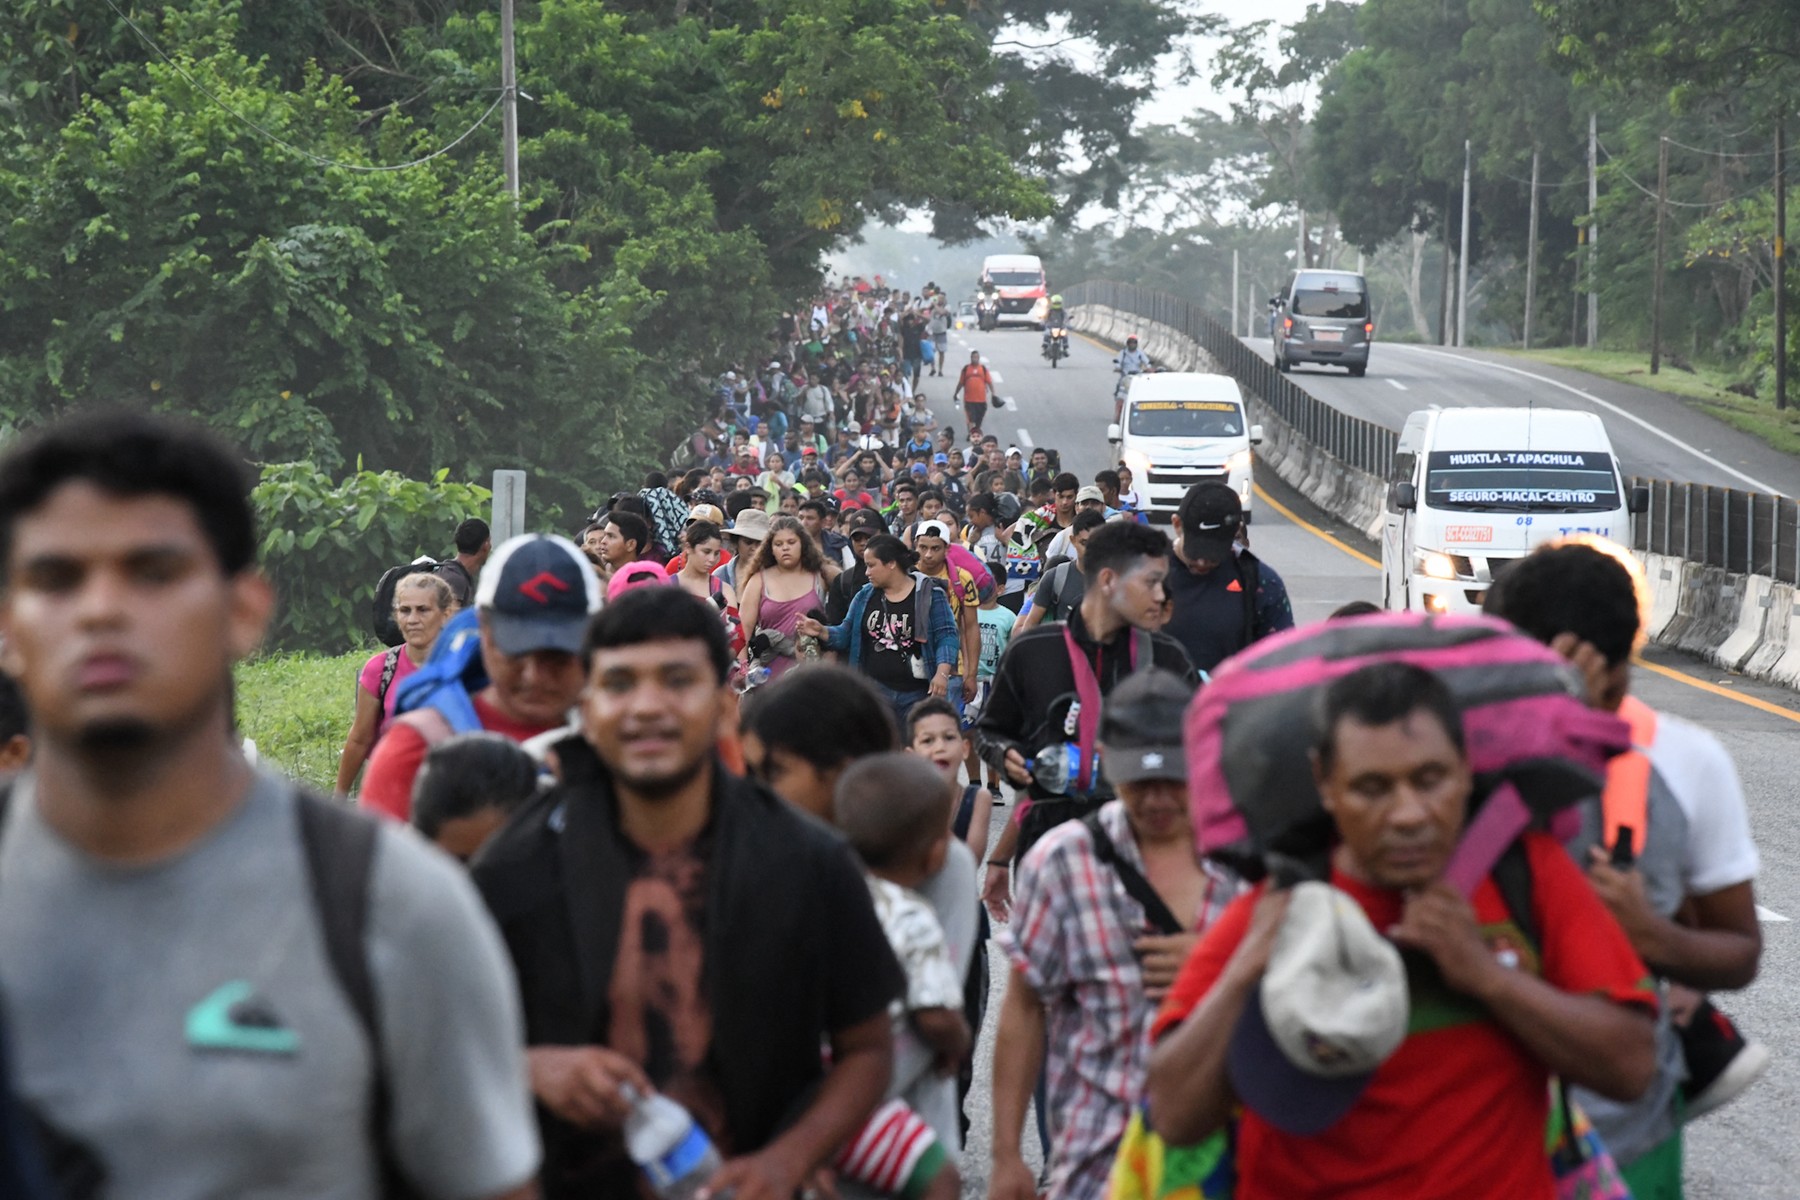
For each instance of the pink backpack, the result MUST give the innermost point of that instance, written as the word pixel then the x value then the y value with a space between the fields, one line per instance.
pixel 1535 745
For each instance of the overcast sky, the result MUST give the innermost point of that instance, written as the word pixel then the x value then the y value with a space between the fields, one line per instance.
pixel 1172 104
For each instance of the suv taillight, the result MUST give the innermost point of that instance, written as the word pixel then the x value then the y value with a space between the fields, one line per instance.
pixel 1368 328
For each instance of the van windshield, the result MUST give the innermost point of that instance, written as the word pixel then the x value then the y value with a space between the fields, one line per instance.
pixel 1187 418
pixel 1015 278
pixel 1332 304
pixel 1521 480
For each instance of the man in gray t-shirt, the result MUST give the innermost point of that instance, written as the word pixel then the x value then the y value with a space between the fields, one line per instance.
pixel 163 961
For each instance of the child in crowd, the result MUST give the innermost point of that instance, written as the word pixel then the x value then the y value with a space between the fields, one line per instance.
pixel 935 734
pixel 996 621
pixel 894 810
pixel 467 787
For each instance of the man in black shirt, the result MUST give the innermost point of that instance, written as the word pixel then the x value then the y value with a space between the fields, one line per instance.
pixel 675 926
pixel 1034 699
pixel 1224 597
pixel 860 525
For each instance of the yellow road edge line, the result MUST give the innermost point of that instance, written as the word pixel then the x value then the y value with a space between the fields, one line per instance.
pixel 1289 513
pixel 1753 701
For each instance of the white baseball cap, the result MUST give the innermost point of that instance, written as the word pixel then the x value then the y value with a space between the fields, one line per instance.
pixel 1331 1008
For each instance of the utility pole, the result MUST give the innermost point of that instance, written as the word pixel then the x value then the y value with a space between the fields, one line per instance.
pixel 1593 233
pixel 1462 265
pixel 1781 258
pixel 1444 283
pixel 1531 251
pixel 509 107
pixel 1656 280
pixel 1300 263
pixel 1234 290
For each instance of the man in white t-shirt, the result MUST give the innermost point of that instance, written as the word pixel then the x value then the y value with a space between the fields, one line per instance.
pixel 1668 848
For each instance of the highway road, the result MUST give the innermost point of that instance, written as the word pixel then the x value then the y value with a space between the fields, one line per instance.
pixel 1744 1152
pixel 1654 434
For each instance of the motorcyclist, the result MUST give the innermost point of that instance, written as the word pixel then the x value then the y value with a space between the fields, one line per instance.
pixel 1055 321
pixel 1131 361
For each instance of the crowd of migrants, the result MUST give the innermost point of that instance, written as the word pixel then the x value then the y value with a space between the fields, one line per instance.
pixel 699 892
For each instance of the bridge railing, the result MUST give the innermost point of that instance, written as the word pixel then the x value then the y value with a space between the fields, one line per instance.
pixel 1752 533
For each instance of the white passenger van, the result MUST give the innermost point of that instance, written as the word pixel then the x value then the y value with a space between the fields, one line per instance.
pixel 1178 429
pixel 1473 489
pixel 1019 283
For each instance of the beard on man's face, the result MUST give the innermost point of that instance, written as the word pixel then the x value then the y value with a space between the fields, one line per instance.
pixel 667 784
pixel 116 736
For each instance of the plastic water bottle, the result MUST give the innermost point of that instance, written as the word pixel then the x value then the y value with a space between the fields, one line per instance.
pixel 669 1146
pixel 1058 767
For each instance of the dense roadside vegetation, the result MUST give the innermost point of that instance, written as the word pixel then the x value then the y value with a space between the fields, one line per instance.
pixel 1353 122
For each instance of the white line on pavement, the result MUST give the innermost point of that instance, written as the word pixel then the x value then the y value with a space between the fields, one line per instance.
pixel 1398 384
pixel 1025 438
pixel 1764 914
pixel 998 377
pixel 1758 484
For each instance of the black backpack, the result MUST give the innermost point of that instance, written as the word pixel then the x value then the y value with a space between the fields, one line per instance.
pixel 383 606
pixel 339 846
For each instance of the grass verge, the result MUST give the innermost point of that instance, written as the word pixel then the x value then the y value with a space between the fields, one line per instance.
pixel 297 708
pixel 1704 388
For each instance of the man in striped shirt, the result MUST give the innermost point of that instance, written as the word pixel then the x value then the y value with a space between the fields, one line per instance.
pixel 1104 911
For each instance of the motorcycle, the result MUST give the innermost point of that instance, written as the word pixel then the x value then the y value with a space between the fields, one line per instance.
pixel 987 314
pixel 1056 346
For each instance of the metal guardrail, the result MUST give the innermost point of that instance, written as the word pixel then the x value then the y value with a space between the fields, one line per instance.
pixel 1352 440
pixel 1751 533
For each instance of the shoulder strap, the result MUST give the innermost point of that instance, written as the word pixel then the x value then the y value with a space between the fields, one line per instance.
pixel 1136 886
pixel 339 847
pixel 390 666
pixel 922 589
pixel 1087 694
pixel 1250 579
pixel 1625 802
pixel 1512 876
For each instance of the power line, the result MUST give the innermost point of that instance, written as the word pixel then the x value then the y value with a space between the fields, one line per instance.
pixel 320 159
pixel 1726 153
pixel 1626 176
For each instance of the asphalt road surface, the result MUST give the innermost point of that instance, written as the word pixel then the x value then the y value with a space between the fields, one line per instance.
pixel 1654 434
pixel 1745 1151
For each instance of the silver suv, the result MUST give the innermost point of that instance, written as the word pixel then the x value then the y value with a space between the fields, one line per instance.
pixel 1325 319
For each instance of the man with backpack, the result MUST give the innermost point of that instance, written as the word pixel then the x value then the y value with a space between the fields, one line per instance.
pixel 1355 1070
pixel 1223 596
pixel 473 545
pixel 1105 911
pixel 1667 845
pixel 511 666
pixel 216 985
pixel 1050 684
pixel 973 387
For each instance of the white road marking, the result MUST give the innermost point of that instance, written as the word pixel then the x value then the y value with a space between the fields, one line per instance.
pixel 1025 441
pixel 1765 914
pixel 998 378
pixel 1758 484
pixel 1398 384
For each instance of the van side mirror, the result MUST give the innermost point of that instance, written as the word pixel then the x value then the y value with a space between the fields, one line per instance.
pixel 1256 435
pixel 1406 497
pixel 1114 435
pixel 1638 499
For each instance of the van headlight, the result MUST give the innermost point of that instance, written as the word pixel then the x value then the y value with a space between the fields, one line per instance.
pixel 1139 462
pixel 1437 566
pixel 1238 462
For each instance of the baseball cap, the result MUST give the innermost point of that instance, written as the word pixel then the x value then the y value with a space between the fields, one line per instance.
pixel 919 469
pixel 1090 492
pixel 1331 1007
pixel 705 512
pixel 850 427
pixel 1211 516
pixel 936 529
pixel 940 460
pixel 635 574
pixel 1140 726
pixel 864 520
pixel 537 592
pixel 806 450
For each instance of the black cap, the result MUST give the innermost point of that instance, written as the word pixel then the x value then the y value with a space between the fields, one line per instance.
pixel 1141 727
pixel 1211 518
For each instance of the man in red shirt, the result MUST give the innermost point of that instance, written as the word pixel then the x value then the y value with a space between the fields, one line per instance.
pixel 972 386
pixel 1459 1111
pixel 533 605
